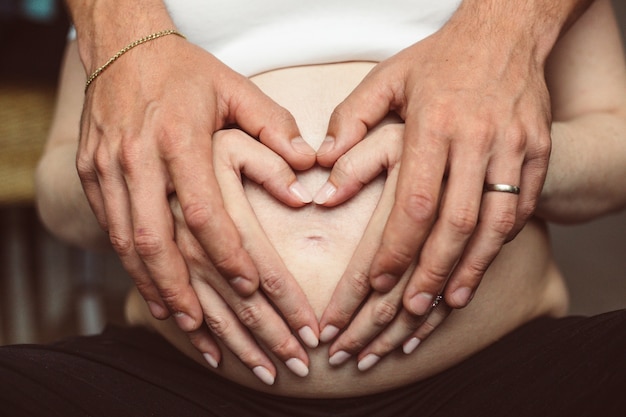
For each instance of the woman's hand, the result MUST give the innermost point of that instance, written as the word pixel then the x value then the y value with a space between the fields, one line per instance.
pixel 477 111
pixel 373 323
pixel 239 322
pixel 146 132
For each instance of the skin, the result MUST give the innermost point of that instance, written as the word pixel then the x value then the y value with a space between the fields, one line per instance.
pixel 128 173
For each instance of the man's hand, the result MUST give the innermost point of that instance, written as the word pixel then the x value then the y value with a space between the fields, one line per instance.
pixel 372 324
pixel 146 133
pixel 477 110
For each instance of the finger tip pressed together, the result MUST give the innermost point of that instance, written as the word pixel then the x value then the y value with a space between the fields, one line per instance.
pixel 308 336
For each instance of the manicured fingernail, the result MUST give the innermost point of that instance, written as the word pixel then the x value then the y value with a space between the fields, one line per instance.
pixel 420 303
pixel 338 358
pixel 157 311
pixel 462 296
pixel 298 367
pixel 210 360
pixel 264 375
pixel 410 345
pixel 367 362
pixel 308 337
pixel 327 145
pixel 299 145
pixel 300 192
pixel 325 193
pixel 184 321
pixel 328 333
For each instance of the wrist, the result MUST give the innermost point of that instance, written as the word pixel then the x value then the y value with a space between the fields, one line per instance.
pixel 98 38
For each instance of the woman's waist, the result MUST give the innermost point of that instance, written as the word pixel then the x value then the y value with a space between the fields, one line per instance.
pixel 522 284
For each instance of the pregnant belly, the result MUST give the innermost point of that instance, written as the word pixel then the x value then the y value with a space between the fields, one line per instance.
pixel 521 284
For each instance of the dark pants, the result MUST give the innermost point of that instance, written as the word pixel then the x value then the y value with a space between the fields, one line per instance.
pixel 575 366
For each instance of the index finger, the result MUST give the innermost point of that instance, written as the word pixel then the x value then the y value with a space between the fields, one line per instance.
pixel 203 209
pixel 420 179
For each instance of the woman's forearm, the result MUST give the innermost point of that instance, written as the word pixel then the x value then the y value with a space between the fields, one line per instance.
pixel 587 171
pixel 61 203
pixel 105 26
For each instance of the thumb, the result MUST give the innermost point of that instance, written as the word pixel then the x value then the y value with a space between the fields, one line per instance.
pixel 350 121
pixel 272 124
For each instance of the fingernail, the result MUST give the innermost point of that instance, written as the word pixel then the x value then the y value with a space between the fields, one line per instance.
pixel 410 345
pixel 210 360
pixel 367 362
pixel 324 193
pixel 462 296
pixel 308 337
pixel 301 193
pixel 327 145
pixel 157 311
pixel 184 321
pixel 328 333
pixel 299 145
pixel 420 303
pixel 264 375
pixel 338 358
pixel 298 367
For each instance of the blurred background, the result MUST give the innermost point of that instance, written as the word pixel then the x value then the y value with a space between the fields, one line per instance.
pixel 49 290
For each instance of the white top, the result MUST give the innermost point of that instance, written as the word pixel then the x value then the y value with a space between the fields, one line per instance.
pixel 256 36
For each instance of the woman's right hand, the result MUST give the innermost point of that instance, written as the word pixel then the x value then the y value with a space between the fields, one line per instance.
pixel 368 324
pixel 240 321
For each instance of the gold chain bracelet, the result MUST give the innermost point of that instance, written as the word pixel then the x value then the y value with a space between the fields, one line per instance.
pixel 127 48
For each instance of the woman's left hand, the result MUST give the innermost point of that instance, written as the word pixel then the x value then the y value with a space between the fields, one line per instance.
pixel 264 319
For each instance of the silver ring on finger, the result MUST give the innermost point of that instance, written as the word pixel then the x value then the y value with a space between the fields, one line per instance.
pixel 502 188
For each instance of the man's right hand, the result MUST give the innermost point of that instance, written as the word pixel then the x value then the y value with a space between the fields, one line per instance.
pixel 146 133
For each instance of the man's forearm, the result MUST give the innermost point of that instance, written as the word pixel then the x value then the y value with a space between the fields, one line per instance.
pixel 535 24
pixel 106 26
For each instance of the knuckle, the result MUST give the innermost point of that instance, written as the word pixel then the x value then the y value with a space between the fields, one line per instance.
pixel 170 296
pixel 463 221
pixel 128 156
pixel 250 356
pixel 85 167
pixel 426 329
pixel 197 215
pixel 227 261
pixel 274 284
pixel 251 316
pixel 383 313
pixel 284 348
pixel 122 245
pixel 475 269
pixel 384 345
pixel 345 167
pixel 360 284
pixel 102 162
pixel 434 275
pixel 219 325
pixel 396 258
pixel 148 244
pixel 419 207
pixel 351 344
pixel 504 221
